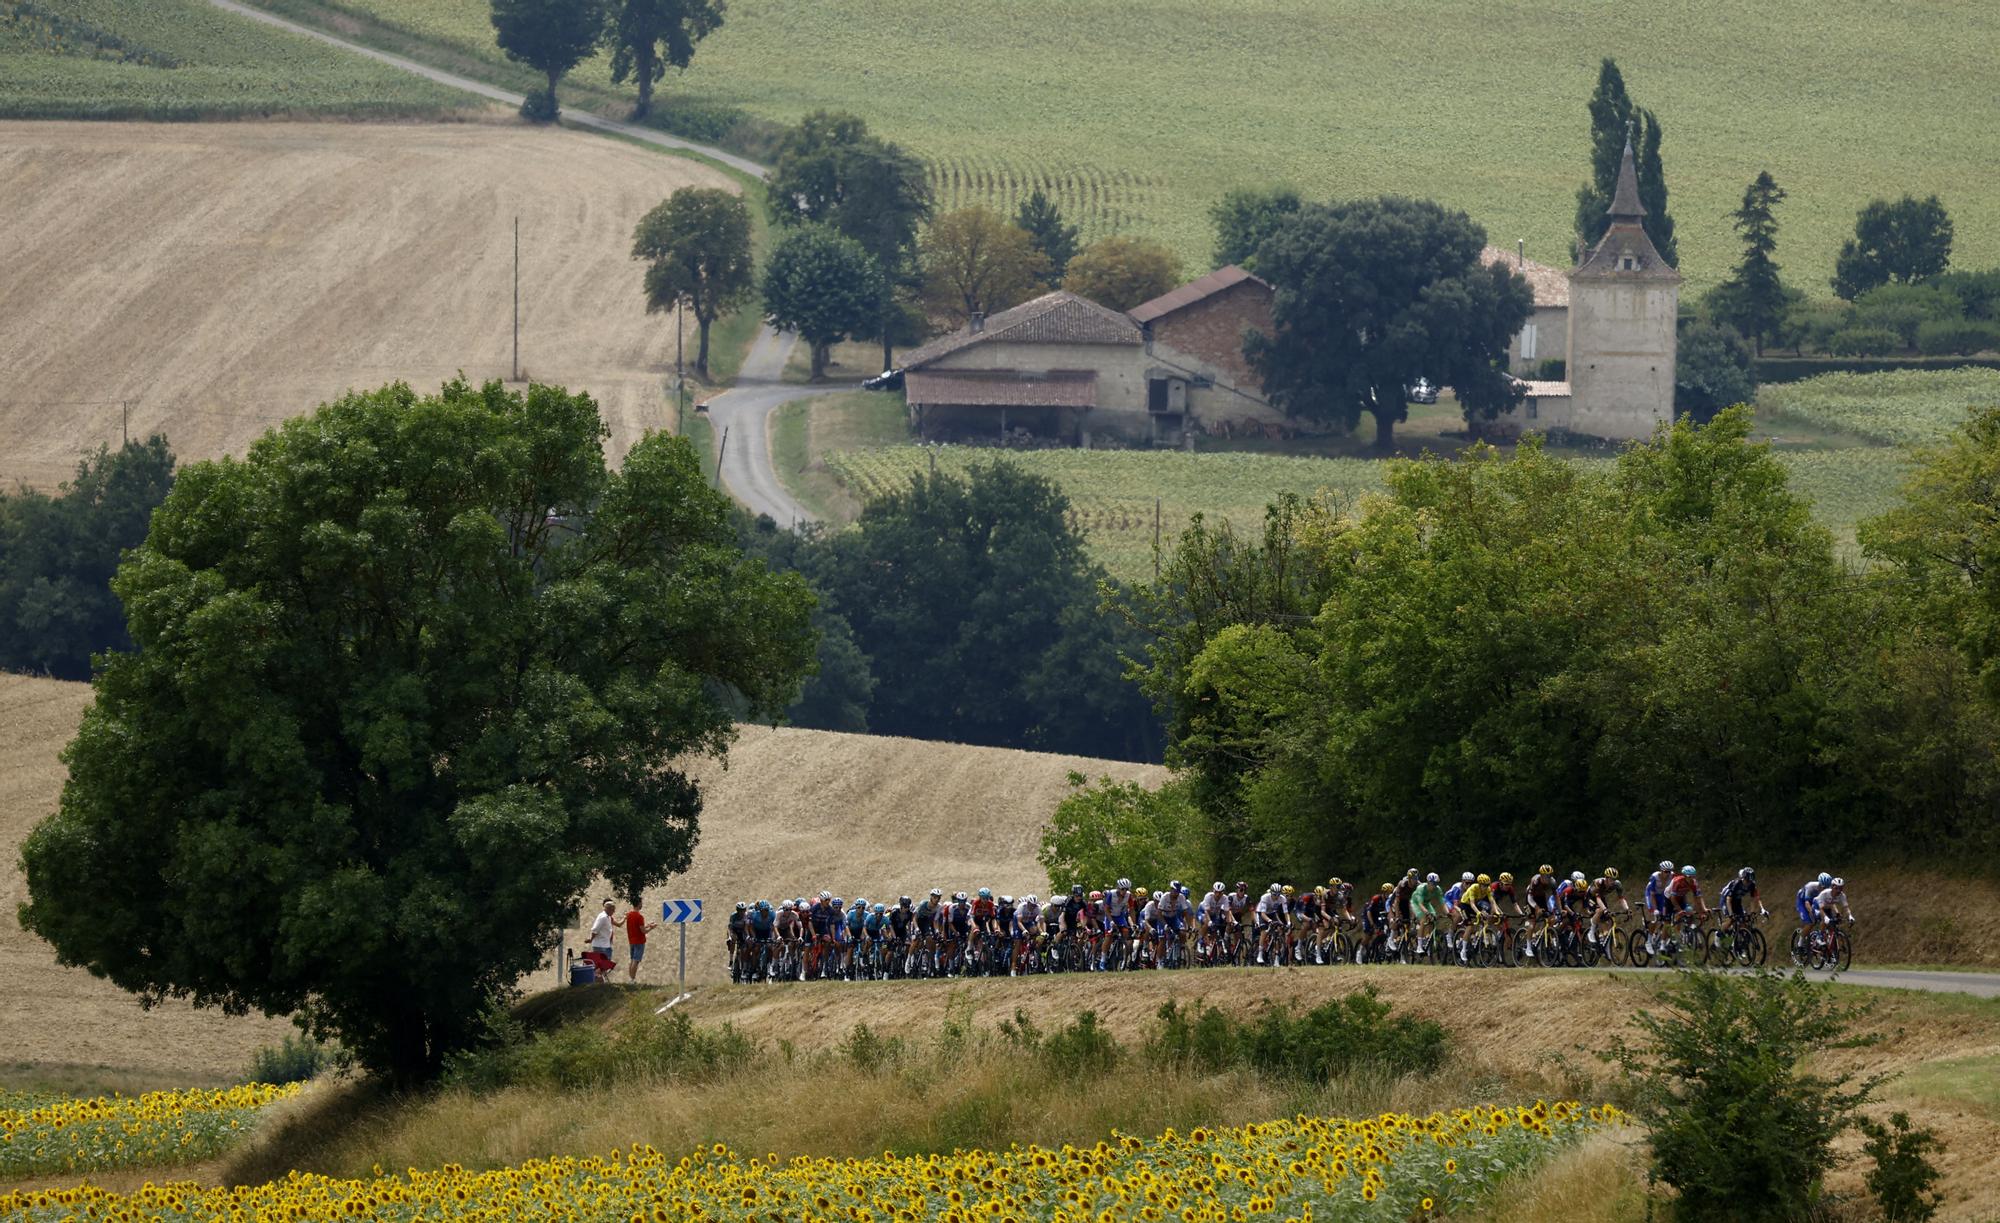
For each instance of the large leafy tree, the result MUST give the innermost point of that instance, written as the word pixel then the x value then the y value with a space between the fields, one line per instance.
pixel 410 675
pixel 1122 271
pixel 57 555
pixel 649 36
pixel 1057 241
pixel 829 170
pixel 696 246
pixel 821 284
pixel 1712 370
pixel 1614 120
pixel 1374 293
pixel 977 262
pixel 1246 216
pixel 1753 299
pixel 1894 243
pixel 550 36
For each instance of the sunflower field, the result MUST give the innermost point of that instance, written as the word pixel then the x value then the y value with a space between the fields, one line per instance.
pixel 1392 1166
pixel 40 1135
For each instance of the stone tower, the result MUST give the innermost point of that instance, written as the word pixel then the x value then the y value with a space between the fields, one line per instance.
pixel 1623 300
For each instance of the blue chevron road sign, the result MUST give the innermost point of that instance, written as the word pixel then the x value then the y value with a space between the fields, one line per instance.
pixel 678 911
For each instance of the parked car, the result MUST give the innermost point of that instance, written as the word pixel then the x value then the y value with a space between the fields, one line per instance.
pixel 887 380
pixel 1421 391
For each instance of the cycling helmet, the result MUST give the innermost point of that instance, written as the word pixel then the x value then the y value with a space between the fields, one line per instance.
pixel 742 906
pixel 1275 889
pixel 1411 873
pixel 837 902
pixel 1484 878
pixel 1288 889
pixel 1056 901
pixel 1746 874
pixel 1466 877
pixel 1076 891
pixel 881 908
pixel 1006 900
pixel 958 897
pixel 786 906
pixel 799 902
pixel 825 895
pixel 1388 888
pixel 860 902
pixel 1333 882
pixel 1124 885
pixel 1320 890
pixel 1688 870
pixel 1097 895
pixel 1576 877
pixel 985 893
pixel 903 903
pixel 1838 883
pixel 1506 876
pixel 937 893
pixel 763 906
pixel 1181 888
pixel 1666 865
pixel 1241 886
pixel 1140 893
pixel 1431 878
pixel 1218 887
pixel 1176 885
pixel 1548 870
pixel 1825 878
pixel 1032 899
pixel 1611 873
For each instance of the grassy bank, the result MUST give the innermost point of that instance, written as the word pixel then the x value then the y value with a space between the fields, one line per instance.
pixel 806 432
pixel 186 59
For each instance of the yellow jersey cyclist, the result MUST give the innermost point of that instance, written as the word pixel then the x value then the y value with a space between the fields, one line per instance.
pixel 1476 897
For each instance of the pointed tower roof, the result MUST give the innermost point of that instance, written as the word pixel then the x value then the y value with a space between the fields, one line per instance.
pixel 1625 203
pixel 1625 252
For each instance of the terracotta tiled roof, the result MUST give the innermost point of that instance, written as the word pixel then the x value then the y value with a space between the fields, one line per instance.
pixel 1002 388
pixel 1052 318
pixel 1192 292
pixel 1550 285
pixel 1545 390
pixel 1607 261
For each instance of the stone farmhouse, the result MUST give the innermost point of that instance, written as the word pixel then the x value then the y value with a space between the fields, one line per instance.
pixel 1065 367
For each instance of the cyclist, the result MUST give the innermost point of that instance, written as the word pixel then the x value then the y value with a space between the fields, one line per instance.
pixel 763 927
pixel 1426 911
pixel 1341 897
pixel 857 930
pixel 1095 928
pixel 788 924
pixel 985 914
pixel 1452 893
pixel 1216 916
pixel 1684 894
pixel 1606 891
pixel 1541 900
pixel 1122 907
pixel 1806 902
pixel 1307 916
pixel 875 924
pixel 1375 915
pixel 902 922
pixel 1399 908
pixel 739 932
pixel 1573 898
pixel 1831 904
pixel 957 932
pixel 1270 917
pixel 1027 925
pixel 820 924
pixel 1477 898
pixel 1241 906
pixel 1739 894
pixel 1656 902
pixel 1172 909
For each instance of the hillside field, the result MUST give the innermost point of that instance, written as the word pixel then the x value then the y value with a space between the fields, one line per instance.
pixel 794 808
pixel 219 278
pixel 186 59
pixel 1139 118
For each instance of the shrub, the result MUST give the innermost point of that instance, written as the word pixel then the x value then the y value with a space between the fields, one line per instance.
pixel 1904 309
pixel 870 1052
pixel 1863 342
pixel 294 1060
pixel 1357 1032
pixel 1553 369
pixel 1735 1122
pixel 1118 828
pixel 1083 1047
pixel 1902 1178
pixel 540 106
pixel 1957 337
pixel 643 1045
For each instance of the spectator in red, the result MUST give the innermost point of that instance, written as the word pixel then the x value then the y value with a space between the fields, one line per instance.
pixel 636 926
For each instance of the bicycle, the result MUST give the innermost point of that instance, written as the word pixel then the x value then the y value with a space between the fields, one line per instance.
pixel 1737 941
pixel 1829 947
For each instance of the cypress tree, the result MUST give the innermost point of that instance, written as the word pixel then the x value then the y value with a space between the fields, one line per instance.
pixel 1614 119
pixel 1044 223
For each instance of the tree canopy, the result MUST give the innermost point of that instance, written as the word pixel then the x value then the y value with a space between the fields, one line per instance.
pixel 57 555
pixel 550 36
pixel 1894 243
pixel 1122 271
pixel 821 284
pixel 1712 370
pixel 1614 120
pixel 1372 294
pixel 649 36
pixel 1039 215
pixel 1244 217
pixel 1753 299
pixel 696 245
pixel 410 675
pixel 977 262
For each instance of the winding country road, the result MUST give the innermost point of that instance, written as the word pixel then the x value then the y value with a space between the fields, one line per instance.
pixel 745 411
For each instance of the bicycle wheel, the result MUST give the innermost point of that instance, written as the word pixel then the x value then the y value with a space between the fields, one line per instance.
pixel 1840 950
pixel 1636 953
pixel 1760 951
pixel 1801 948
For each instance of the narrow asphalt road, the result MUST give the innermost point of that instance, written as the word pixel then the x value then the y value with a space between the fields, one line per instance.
pixel 1978 984
pixel 745 411
pixel 742 416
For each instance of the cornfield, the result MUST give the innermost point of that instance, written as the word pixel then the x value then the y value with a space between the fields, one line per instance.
pixel 1097 201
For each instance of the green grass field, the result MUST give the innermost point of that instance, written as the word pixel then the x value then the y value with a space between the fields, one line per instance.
pixel 1139 117
pixel 1901 408
pixel 184 59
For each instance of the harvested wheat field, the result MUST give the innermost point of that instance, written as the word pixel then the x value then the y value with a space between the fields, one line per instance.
pixel 793 805
pixel 221 277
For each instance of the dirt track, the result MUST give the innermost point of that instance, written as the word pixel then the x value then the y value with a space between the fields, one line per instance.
pixel 221 277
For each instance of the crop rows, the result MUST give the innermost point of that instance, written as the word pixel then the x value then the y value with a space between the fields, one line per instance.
pixel 1098 201
pixel 184 59
pixel 1394 1166
pixel 1897 408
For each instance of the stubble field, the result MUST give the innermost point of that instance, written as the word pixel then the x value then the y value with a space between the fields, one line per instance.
pixel 214 279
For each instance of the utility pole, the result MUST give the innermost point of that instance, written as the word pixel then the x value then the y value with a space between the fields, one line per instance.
pixel 125 422
pixel 1156 539
pixel 721 453
pixel 680 376
pixel 517 297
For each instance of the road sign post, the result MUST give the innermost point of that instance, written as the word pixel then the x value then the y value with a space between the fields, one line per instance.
pixel 680 913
